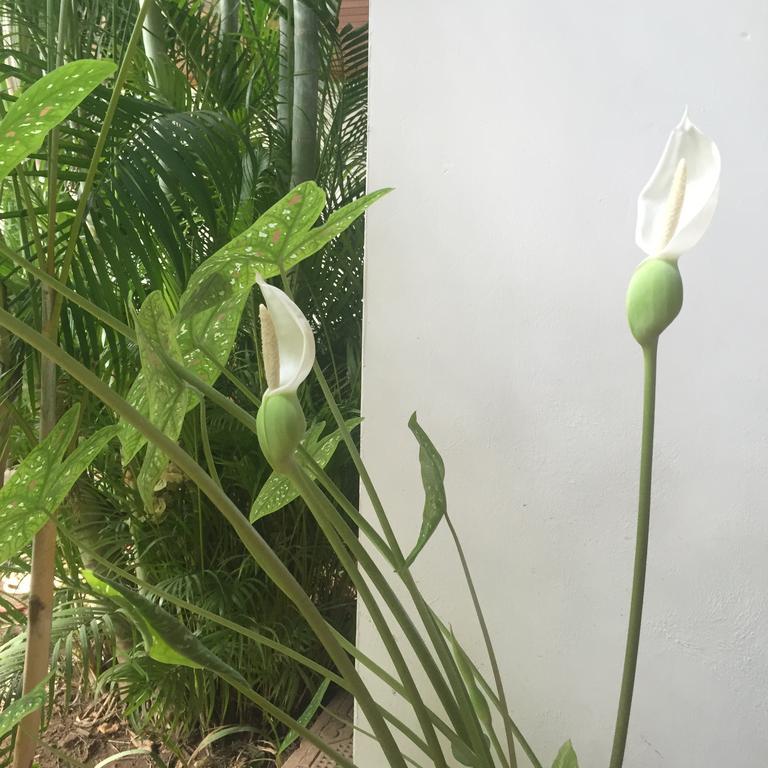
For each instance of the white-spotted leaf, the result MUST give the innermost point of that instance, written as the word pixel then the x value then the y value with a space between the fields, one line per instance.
pixel 42 481
pixel 167 396
pixel 43 105
pixel 13 714
pixel 432 477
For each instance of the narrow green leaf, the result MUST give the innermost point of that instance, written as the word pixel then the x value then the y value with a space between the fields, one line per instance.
pixel 12 715
pixel 566 757
pixel 305 716
pixel 464 754
pixel 166 639
pixel 278 490
pixel 432 477
pixel 479 701
pixel 167 397
pixel 45 104
pixel 42 481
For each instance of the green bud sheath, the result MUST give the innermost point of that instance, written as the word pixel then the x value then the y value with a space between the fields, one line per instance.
pixel 280 426
pixel 654 299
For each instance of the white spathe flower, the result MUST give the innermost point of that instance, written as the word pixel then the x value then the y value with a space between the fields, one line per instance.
pixel 677 204
pixel 288 342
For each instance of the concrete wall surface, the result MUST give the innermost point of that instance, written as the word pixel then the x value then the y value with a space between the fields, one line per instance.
pixel 518 136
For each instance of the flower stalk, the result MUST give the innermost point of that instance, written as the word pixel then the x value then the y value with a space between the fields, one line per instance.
pixel 641 559
pixel 674 211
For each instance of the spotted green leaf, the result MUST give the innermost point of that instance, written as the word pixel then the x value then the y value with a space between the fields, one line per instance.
pixel 566 757
pixel 166 639
pixel 13 714
pixel 432 478
pixel 307 243
pixel 167 396
pixel 211 307
pixel 42 481
pixel 43 105
pixel 279 490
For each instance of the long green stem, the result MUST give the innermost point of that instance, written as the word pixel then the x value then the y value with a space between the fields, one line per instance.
pixel 641 558
pixel 487 639
pixel 346 505
pixel 323 513
pixel 456 713
pixel 274 568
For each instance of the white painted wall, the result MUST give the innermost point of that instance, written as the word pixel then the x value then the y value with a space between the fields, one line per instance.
pixel 518 135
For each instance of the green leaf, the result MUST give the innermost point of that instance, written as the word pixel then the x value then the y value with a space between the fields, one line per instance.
pixel 479 701
pixel 278 490
pixel 166 639
pixel 211 307
pixel 45 104
pixel 464 754
pixel 566 757
pixel 167 396
pixel 432 477
pixel 305 716
pixel 312 241
pixel 12 715
pixel 42 481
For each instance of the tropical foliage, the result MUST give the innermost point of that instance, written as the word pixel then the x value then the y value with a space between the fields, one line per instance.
pixel 196 152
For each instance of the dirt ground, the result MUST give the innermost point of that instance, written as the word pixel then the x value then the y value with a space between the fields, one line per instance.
pixel 85 734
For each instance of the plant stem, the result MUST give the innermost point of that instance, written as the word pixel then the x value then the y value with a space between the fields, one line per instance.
pixel 323 512
pixel 487 639
pixel 641 558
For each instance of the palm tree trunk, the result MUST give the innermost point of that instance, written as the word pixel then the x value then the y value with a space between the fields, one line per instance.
pixel 305 81
pixel 285 75
pixel 153 37
pixel 229 18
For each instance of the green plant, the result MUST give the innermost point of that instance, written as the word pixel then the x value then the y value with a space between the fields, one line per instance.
pixel 172 186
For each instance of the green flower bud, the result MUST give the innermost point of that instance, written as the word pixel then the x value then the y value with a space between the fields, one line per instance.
pixel 654 299
pixel 280 427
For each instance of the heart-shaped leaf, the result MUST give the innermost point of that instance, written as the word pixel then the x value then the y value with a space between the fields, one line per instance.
pixel 43 105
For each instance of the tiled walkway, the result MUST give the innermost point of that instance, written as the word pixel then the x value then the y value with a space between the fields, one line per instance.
pixel 337 734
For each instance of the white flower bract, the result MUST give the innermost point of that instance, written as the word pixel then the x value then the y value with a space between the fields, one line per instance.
pixel 673 216
pixel 295 341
